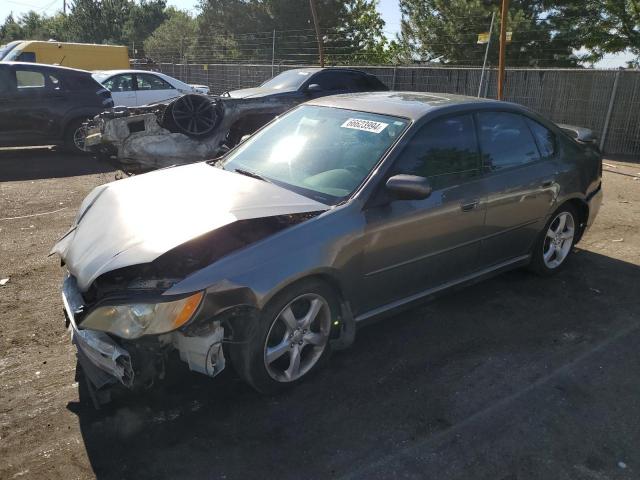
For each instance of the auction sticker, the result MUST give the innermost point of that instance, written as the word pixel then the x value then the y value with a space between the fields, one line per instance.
pixel 365 125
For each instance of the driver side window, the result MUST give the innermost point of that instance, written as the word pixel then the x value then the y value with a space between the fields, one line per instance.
pixel 445 151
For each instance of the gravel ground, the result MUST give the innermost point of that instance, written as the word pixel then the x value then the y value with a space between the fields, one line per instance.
pixel 518 377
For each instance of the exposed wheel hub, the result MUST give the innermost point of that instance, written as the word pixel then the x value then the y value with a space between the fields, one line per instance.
pixel 297 336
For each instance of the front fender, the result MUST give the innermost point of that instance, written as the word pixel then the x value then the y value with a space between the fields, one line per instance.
pixel 327 245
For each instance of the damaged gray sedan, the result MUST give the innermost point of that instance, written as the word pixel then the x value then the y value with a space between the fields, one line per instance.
pixel 342 210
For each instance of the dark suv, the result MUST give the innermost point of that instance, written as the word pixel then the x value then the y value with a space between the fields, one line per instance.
pixel 44 105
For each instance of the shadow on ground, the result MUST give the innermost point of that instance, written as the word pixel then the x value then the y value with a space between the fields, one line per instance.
pixel 516 377
pixel 35 163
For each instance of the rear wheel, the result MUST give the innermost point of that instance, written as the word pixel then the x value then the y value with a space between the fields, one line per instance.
pixel 556 241
pixel 291 339
pixel 74 136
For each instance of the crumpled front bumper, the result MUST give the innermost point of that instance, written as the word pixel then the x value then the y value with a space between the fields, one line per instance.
pixel 106 362
pixel 102 359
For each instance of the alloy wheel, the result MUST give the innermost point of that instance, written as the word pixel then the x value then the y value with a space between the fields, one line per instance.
pixel 194 114
pixel 297 338
pixel 79 136
pixel 558 240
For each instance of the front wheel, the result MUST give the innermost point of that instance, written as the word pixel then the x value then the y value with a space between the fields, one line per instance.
pixel 555 242
pixel 291 339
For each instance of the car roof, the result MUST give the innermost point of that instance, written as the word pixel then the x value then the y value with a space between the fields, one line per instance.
pixel 45 66
pixel 116 72
pixel 412 105
pixel 321 69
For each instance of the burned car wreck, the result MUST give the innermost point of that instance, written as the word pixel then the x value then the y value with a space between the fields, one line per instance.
pixel 267 258
pixel 197 127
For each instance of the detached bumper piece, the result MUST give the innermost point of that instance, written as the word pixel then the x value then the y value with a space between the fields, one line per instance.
pixel 135 364
pixel 102 359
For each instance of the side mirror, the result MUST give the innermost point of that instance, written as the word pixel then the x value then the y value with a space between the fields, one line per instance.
pixel 409 187
pixel 314 88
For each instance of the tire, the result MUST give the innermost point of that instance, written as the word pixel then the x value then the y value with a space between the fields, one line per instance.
pixel 71 133
pixel 283 349
pixel 555 242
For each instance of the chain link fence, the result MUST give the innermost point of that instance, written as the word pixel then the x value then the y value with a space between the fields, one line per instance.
pixel 584 97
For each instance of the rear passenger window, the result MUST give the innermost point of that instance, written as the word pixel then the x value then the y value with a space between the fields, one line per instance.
pixel 333 81
pixel 445 151
pixel 151 82
pixel 28 79
pixel 81 82
pixel 362 82
pixel 505 140
pixel 544 137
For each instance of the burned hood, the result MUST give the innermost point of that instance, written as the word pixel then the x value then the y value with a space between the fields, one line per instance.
pixel 134 221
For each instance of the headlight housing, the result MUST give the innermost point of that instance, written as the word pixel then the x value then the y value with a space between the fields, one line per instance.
pixel 134 320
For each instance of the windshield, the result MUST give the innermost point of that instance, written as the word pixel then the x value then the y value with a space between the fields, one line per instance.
pixel 289 80
pixel 6 49
pixel 12 55
pixel 320 152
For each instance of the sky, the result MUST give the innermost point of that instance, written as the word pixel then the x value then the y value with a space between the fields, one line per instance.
pixel 388 9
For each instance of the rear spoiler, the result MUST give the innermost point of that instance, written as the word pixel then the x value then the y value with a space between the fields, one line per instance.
pixel 580 135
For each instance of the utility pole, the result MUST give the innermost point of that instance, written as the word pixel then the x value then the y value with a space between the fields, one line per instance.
pixel 314 14
pixel 486 53
pixel 503 47
pixel 273 53
pixel 64 7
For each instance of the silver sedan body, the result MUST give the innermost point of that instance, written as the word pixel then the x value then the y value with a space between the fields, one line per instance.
pixel 378 252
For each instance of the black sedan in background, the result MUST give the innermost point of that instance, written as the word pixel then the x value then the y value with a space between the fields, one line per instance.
pixel 45 105
pixel 308 83
pixel 296 86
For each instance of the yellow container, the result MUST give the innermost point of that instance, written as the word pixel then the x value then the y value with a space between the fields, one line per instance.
pixel 87 56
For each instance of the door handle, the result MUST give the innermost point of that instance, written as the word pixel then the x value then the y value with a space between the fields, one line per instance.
pixel 547 183
pixel 467 207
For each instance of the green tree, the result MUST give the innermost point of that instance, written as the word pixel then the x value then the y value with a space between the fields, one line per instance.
pixel 361 34
pixel 10 30
pixel 173 38
pixel 143 19
pixel 601 26
pixel 33 26
pixel 446 31
pixel 120 22
pixel 242 29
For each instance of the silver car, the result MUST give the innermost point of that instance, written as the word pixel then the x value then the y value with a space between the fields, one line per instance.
pixel 344 209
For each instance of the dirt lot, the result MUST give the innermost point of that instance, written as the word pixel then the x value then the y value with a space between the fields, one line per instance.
pixel 516 378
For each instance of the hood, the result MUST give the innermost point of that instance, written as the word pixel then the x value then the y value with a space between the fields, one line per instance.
pixel 134 221
pixel 256 92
